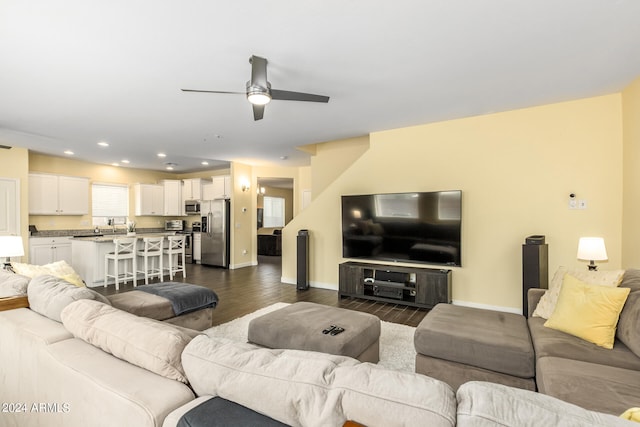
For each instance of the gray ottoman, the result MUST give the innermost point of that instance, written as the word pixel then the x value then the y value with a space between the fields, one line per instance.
pixel 299 326
pixel 156 307
pixel 458 344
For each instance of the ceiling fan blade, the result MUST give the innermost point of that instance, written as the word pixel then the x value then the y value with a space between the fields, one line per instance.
pixel 258 112
pixel 258 71
pixel 211 91
pixel 286 95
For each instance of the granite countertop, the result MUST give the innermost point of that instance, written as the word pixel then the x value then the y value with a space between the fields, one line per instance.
pixel 110 237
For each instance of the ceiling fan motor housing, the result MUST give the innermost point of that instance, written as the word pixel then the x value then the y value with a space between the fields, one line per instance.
pixel 258 95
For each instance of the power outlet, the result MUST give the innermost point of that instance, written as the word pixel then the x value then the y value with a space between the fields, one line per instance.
pixel 582 204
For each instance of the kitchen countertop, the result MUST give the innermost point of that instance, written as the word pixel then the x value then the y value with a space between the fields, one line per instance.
pixel 110 237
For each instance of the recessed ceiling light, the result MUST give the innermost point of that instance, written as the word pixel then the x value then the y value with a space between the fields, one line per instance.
pixel 205 163
pixel 115 164
pixel 68 152
pixel 169 168
pixel 284 157
pixel 125 161
pixel 162 155
pixel 103 144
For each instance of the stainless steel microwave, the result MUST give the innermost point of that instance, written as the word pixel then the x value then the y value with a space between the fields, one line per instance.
pixel 192 207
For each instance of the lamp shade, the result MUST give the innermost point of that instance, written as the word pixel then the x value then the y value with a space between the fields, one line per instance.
pixel 11 246
pixel 592 249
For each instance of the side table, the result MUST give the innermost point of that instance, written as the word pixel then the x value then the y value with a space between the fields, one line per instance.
pixel 13 302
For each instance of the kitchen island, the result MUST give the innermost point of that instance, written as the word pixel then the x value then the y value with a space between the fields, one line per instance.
pixel 88 254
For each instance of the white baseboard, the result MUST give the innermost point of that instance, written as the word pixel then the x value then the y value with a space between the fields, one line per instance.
pixel 242 265
pixel 487 307
pixel 312 284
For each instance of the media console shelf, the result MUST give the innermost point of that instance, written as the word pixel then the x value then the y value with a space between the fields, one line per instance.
pixel 416 287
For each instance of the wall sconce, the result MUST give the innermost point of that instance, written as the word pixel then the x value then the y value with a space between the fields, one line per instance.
pixel 592 249
pixel 245 186
pixel 10 246
pixel 260 191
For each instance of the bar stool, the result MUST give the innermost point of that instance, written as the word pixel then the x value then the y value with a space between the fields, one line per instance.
pixel 176 247
pixel 124 250
pixel 152 249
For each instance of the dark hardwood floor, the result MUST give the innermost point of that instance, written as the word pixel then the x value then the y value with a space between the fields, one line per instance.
pixel 248 289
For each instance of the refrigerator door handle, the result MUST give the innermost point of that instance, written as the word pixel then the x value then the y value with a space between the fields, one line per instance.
pixel 209 224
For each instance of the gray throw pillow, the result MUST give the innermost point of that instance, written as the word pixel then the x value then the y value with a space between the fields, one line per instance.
pixel 49 295
pixel 629 323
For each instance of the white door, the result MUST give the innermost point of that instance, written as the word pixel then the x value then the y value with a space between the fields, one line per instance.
pixel 9 206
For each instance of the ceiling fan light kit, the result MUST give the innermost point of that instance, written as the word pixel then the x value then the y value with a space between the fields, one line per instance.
pixel 259 92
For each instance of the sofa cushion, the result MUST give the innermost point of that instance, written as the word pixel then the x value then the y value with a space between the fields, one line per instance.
pixel 49 295
pixel 629 323
pixel 314 389
pixel 547 303
pixel 595 387
pixel 587 311
pixel 12 285
pixel 59 269
pixel 147 343
pixel 487 404
pixel 549 342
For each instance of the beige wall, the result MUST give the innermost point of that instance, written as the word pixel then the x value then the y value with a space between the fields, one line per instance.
pixel 631 211
pixel 333 158
pixel 14 163
pixel 515 169
pixel 243 217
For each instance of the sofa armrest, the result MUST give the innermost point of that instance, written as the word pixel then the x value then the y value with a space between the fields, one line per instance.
pixel 533 297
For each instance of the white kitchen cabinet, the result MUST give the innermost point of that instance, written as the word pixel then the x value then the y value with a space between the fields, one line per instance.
pixel 192 188
pixel 220 188
pixel 45 250
pixel 173 203
pixel 149 199
pixel 197 247
pixel 58 195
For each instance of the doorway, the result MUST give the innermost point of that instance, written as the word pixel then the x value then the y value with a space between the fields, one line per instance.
pixel 275 210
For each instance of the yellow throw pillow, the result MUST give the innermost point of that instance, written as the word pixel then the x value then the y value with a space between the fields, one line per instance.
pixel 58 269
pixel 632 414
pixel 587 311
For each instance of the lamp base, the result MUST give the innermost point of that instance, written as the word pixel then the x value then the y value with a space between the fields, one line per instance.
pixel 592 266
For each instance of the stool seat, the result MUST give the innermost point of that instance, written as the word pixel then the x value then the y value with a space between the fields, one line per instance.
pixel 299 326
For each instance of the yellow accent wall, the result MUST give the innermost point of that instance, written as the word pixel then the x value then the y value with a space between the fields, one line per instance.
pixel 631 211
pixel 516 170
pixel 14 163
pixel 330 159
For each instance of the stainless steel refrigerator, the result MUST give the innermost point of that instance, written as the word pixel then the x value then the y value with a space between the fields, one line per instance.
pixel 215 233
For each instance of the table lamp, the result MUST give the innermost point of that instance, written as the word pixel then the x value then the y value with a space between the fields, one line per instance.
pixel 10 246
pixel 592 249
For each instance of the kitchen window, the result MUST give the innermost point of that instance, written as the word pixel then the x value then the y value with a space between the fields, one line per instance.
pixel 273 211
pixel 109 201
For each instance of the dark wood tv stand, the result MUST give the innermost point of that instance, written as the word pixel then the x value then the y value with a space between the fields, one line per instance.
pixel 415 287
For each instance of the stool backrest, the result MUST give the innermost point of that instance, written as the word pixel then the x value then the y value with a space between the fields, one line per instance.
pixel 153 244
pixel 125 245
pixel 176 243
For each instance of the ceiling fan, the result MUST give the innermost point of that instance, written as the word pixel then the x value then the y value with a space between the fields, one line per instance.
pixel 259 92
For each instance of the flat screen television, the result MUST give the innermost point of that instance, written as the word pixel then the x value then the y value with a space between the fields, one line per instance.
pixel 419 227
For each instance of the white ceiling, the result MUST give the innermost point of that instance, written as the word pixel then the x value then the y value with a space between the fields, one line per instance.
pixel 75 72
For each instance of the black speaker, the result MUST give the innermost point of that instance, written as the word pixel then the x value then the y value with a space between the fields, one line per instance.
pixel 302 259
pixel 535 270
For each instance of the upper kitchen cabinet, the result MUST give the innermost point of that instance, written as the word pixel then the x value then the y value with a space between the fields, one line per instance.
pixel 149 199
pixel 220 188
pixel 58 195
pixel 173 204
pixel 192 188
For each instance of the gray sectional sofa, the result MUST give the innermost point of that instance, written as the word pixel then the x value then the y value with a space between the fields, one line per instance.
pixel 100 366
pixel 459 344
pixel 587 375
